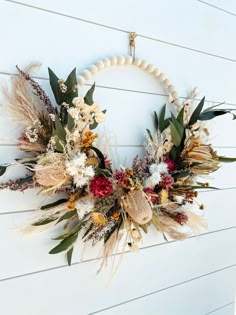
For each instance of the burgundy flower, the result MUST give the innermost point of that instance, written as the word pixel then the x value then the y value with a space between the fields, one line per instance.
pixel 181 218
pixel 153 196
pixel 100 186
pixel 167 181
pixel 120 177
pixel 170 164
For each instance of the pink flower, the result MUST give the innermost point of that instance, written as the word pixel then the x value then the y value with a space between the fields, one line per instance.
pixel 167 181
pixel 151 193
pixel 120 177
pixel 170 164
pixel 100 186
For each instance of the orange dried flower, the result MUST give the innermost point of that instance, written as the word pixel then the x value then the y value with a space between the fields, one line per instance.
pixel 115 216
pixel 89 138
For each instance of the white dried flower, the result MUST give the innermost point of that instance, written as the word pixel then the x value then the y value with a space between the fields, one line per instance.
pixel 84 206
pixel 62 86
pixel 52 116
pixel 79 171
pixel 160 168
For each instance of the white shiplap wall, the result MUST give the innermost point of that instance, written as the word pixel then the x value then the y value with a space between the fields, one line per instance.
pixel 194 44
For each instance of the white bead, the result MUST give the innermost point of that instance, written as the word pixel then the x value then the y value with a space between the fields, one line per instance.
pixel 81 80
pixel 113 61
pixel 144 65
pixel 162 77
pixel 175 95
pixel 171 88
pixel 137 61
pixel 166 82
pixel 100 64
pixel 107 62
pixel 150 68
pixel 157 72
pixel 93 69
pixel 128 60
pixel 121 60
pixel 86 74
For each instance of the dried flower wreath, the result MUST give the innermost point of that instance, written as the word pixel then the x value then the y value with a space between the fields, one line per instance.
pixel 101 203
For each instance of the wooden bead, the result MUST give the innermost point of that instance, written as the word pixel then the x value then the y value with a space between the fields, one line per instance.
pixel 86 74
pixel 156 72
pixel 113 61
pixel 166 82
pixel 107 62
pixel 171 88
pixel 150 68
pixel 162 76
pixel 128 60
pixel 137 61
pixel 100 64
pixel 120 60
pixel 93 69
pixel 175 95
pixel 178 102
pixel 81 80
pixel 144 65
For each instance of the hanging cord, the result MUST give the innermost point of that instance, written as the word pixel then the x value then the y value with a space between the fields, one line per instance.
pixel 132 37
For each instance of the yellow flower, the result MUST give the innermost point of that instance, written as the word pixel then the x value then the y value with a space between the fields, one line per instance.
pixel 99 218
pixel 163 195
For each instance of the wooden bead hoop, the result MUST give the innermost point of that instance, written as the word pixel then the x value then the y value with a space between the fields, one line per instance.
pixel 129 60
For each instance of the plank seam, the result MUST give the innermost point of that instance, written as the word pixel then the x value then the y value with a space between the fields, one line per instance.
pixel 121 89
pixel 219 308
pixel 122 30
pixel 216 7
pixel 161 290
pixel 116 254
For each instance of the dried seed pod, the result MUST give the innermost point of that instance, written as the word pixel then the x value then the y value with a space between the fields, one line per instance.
pixel 137 206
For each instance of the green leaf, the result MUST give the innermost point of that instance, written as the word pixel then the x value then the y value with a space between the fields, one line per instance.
pixel 88 99
pixel 73 231
pixel 226 159
pixel 212 114
pixel 71 83
pixel 53 204
pixel 149 134
pixel 53 79
pixel 93 125
pixel 60 131
pixel 70 122
pixel 45 221
pixel 203 187
pixel 181 174
pixel 3 169
pixel 69 255
pixel 163 123
pixel 176 138
pixel 180 117
pixel 67 215
pixel 178 126
pixel 195 115
pixel 64 244
pixel 156 120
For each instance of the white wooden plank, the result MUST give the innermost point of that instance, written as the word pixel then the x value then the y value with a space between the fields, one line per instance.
pixel 164 58
pixel 151 270
pixel 224 310
pixel 197 297
pixel 162 23
pixel 228 5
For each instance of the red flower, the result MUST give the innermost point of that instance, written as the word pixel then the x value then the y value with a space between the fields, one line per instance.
pixel 167 181
pixel 151 193
pixel 100 186
pixel 170 164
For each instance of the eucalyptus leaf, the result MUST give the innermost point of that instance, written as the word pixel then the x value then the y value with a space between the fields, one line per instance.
pixel 70 122
pixel 163 123
pixel 180 117
pixel 53 79
pixel 60 131
pixel 53 204
pixel 178 126
pixel 156 124
pixel 196 113
pixel 212 114
pixel 64 244
pixel 69 255
pixel 149 134
pixel 88 99
pixel 71 83
pixel 226 159
pixel 45 221
pixel 67 215
pixel 175 136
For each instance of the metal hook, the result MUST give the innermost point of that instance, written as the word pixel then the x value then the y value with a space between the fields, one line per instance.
pixel 132 37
